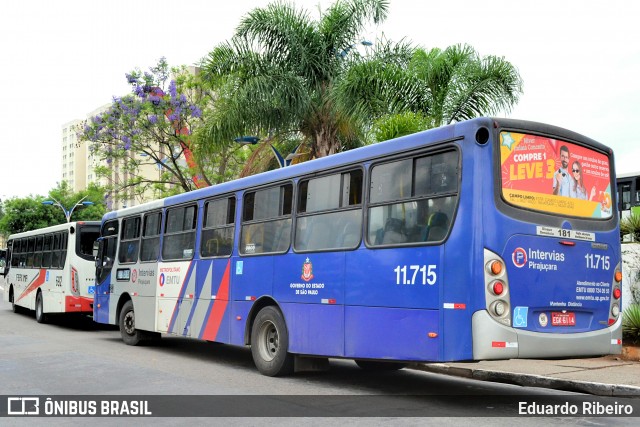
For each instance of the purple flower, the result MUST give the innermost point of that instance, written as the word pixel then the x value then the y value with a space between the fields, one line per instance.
pixel 153 119
pixel 173 91
pixel 131 78
pixel 195 112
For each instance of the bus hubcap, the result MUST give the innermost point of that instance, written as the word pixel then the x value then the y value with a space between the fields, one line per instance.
pixel 270 344
pixel 129 323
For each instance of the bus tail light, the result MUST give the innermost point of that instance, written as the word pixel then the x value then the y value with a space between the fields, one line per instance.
pixel 616 294
pixel 498 288
pixel 496 267
pixel 496 283
pixel 74 281
pixel 618 276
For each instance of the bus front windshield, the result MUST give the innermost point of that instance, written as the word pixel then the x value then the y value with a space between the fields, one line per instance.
pixel 555 176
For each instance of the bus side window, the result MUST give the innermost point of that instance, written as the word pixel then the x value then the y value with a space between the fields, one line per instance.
pixel 179 233
pixel 129 240
pixel 46 248
pixel 329 212
pixel 218 227
pixel 266 220
pixel 413 200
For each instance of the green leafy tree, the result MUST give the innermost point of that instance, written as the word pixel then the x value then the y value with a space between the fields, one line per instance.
pixel 29 213
pixel 276 78
pixel 25 214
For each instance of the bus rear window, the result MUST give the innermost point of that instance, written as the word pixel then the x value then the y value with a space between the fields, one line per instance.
pixel 554 176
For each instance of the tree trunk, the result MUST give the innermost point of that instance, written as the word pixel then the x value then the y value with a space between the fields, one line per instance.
pixel 325 143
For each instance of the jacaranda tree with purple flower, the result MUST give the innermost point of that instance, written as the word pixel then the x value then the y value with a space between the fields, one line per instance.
pixel 147 135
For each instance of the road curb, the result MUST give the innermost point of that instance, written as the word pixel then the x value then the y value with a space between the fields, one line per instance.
pixel 529 380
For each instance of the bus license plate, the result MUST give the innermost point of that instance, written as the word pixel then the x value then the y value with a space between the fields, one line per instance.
pixel 563 319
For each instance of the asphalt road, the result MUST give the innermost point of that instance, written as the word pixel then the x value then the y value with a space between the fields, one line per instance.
pixel 74 356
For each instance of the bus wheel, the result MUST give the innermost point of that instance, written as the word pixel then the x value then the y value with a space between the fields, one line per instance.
pixel 15 308
pixel 369 365
pixel 40 316
pixel 270 342
pixel 127 322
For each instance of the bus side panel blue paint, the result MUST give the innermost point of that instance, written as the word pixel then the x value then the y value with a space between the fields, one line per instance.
pixel 253 279
pixel 462 272
pixel 316 329
pixel 385 277
pixel 390 333
pixel 238 309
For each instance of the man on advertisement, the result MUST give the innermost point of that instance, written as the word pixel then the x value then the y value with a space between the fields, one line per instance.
pixel 562 178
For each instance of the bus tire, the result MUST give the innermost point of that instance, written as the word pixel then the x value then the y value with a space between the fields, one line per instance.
pixel 127 323
pixel 40 316
pixel 270 343
pixel 14 307
pixel 371 365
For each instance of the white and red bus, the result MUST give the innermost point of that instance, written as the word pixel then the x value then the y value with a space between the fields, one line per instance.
pixel 52 270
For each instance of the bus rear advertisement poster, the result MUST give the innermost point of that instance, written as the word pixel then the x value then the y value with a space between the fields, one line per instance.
pixel 555 176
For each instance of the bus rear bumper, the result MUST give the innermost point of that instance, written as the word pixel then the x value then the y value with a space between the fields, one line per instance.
pixel 78 304
pixel 492 340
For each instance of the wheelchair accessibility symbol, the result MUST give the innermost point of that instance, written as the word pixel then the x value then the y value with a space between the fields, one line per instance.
pixel 520 317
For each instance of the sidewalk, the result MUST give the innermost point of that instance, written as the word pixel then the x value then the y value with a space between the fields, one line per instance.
pixel 602 376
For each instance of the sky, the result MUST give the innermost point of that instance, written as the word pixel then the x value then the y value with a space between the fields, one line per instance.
pixel 60 60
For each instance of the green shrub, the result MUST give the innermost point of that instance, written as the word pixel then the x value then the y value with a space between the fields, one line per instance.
pixel 631 225
pixel 631 323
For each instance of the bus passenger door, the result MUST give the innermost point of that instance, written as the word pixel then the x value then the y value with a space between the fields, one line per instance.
pixel 104 264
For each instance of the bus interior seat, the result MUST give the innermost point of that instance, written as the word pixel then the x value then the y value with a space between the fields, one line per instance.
pixel 437 227
pixel 393 231
pixel 281 239
pixel 349 237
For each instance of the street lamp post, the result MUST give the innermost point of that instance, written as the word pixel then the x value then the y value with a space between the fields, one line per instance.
pixel 68 212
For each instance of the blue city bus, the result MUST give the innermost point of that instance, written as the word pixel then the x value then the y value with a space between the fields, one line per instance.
pixel 485 239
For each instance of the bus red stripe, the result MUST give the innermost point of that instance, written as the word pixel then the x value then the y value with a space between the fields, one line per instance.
pixel 37 282
pixel 219 307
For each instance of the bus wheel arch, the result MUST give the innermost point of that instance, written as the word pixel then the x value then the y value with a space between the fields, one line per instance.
pixel 121 302
pixel 270 342
pixel 41 317
pixel 125 315
pixel 253 312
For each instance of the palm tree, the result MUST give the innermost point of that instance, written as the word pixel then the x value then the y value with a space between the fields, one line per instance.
pixel 438 87
pixel 277 77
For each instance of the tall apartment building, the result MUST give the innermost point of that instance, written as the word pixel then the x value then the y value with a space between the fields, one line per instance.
pixel 74 157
